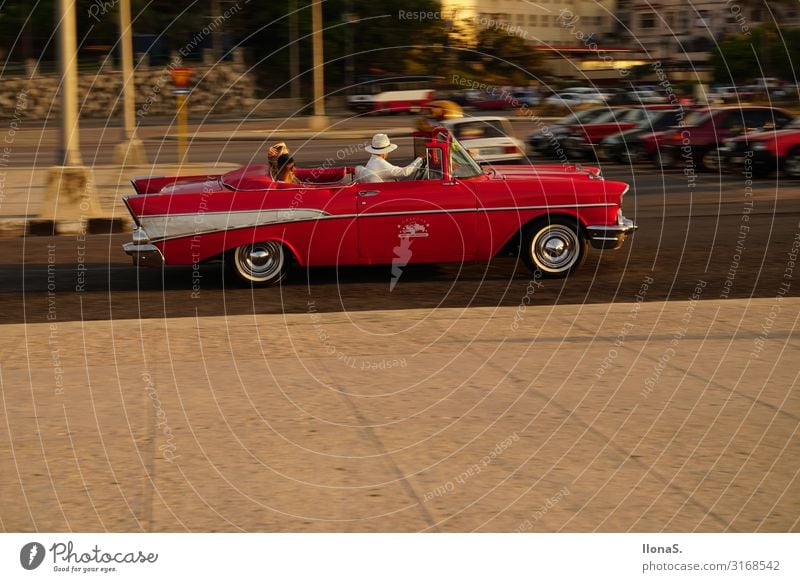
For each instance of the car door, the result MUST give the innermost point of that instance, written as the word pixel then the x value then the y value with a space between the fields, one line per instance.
pixel 429 220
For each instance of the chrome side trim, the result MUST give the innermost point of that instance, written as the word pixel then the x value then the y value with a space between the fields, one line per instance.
pixel 160 227
pixel 164 226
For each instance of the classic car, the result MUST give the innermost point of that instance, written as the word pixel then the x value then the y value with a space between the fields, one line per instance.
pixel 451 210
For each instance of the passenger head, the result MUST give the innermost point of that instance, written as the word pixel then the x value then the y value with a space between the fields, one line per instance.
pixel 275 152
pixel 285 171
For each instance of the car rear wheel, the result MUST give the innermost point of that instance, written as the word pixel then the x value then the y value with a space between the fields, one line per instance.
pixel 635 154
pixel 554 247
pixel 259 264
pixel 792 163
pixel 666 158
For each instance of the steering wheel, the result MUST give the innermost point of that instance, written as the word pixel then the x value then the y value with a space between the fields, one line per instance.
pixel 420 173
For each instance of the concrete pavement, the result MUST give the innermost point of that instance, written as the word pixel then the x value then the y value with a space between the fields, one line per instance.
pixel 23 190
pixel 634 416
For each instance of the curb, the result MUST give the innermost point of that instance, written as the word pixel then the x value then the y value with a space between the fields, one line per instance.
pixel 39 227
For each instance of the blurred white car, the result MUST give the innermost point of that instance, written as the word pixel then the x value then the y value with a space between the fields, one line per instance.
pixel 603 94
pixel 573 99
pixel 646 97
pixel 488 139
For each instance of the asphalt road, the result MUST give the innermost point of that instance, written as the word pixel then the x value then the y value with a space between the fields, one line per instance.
pixel 709 233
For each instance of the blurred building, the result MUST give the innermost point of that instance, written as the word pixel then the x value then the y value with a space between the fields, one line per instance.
pixel 578 37
pixel 685 31
pixel 539 22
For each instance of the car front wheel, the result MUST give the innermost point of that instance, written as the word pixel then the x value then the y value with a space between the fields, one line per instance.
pixel 259 264
pixel 555 248
pixel 711 159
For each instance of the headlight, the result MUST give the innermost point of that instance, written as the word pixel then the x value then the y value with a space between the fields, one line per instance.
pixel 759 146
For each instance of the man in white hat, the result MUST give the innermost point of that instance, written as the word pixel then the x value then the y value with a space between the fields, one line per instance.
pixel 378 169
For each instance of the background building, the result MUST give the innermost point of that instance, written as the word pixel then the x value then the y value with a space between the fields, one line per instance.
pixel 687 30
pixel 578 37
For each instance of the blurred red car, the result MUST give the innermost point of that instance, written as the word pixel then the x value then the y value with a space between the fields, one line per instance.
pixel 764 152
pixel 698 140
pixel 584 139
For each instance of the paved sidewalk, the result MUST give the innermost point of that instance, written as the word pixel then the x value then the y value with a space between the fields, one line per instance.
pixel 679 416
pixel 23 190
pixel 263 135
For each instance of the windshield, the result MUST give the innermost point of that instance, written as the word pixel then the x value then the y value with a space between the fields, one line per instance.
pixel 635 115
pixel 696 118
pixel 660 119
pixel 461 162
pixel 605 117
pixel 585 116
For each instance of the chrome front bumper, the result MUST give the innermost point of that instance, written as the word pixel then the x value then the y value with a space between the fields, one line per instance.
pixel 611 237
pixel 142 252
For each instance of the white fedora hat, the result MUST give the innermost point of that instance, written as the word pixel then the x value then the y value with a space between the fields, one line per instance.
pixel 381 144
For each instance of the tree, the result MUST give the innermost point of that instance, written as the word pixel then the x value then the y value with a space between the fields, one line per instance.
pixel 499 54
pixel 768 51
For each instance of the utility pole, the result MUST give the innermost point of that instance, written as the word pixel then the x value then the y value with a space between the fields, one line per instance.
pixel 294 52
pixel 349 65
pixel 318 120
pixel 216 34
pixel 131 150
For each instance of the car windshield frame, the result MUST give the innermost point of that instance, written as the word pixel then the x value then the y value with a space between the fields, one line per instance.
pixel 460 155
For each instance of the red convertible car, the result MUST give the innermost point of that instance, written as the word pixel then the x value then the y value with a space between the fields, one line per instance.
pixel 452 210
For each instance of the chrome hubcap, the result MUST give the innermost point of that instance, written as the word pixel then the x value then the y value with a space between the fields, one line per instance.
pixel 260 261
pixel 555 248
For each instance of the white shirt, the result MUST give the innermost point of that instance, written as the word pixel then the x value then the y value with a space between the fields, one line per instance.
pixel 379 170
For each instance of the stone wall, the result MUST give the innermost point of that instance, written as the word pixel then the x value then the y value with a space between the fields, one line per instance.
pixel 221 88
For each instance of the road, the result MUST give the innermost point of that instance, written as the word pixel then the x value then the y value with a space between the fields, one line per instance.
pixel 682 237
pixel 654 390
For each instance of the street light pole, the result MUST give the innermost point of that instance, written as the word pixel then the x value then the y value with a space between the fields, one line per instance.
pixel 70 152
pixel 318 120
pixel 294 52
pixel 131 150
pixel 69 200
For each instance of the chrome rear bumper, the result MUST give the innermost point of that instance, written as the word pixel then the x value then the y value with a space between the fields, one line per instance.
pixel 142 252
pixel 611 237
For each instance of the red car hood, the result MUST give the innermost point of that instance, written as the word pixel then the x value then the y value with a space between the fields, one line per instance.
pixel 525 172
